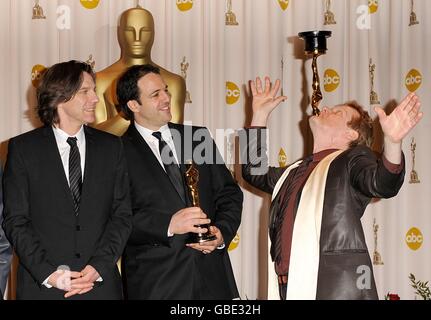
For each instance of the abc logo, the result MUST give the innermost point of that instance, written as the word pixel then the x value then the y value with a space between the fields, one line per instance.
pixel 283 4
pixel 373 5
pixel 414 238
pixel 413 80
pixel 36 74
pixel 331 80
pixel 232 92
pixel 234 244
pixel 282 158
pixel 89 4
pixel 184 5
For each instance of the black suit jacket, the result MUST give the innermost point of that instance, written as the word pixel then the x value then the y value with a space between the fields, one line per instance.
pixel 354 178
pixel 39 217
pixel 156 266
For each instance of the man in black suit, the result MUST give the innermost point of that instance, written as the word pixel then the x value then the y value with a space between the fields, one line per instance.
pixel 66 195
pixel 5 248
pixel 317 241
pixel 159 262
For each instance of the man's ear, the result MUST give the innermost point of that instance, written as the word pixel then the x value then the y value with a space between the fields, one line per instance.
pixel 133 106
pixel 352 134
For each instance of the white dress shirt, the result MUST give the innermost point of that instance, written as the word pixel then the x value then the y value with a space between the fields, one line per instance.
pixel 64 148
pixel 153 142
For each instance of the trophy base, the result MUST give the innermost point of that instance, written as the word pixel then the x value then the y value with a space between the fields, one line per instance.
pixel 201 237
pixel 414 178
pixel 413 19
pixel 374 98
pixel 329 18
pixel 230 19
pixel 377 259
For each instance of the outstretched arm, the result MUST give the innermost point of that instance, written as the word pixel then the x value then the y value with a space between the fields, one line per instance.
pixel 398 124
pixel 264 100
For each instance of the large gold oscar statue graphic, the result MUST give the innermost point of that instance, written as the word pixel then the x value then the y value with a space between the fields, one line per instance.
pixel 136 37
pixel 315 45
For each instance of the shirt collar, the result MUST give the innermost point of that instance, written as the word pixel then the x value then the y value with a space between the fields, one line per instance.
pixel 62 136
pixel 318 156
pixel 148 133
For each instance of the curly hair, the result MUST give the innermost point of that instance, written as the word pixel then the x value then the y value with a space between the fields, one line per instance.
pixel 59 84
pixel 363 125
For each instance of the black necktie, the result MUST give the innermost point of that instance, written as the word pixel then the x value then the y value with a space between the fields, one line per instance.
pixel 171 167
pixel 75 175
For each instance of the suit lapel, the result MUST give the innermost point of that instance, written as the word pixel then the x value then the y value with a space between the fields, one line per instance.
pixel 184 150
pixel 56 169
pixel 90 167
pixel 150 159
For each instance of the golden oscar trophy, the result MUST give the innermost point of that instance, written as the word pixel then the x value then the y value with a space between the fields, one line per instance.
pixel 414 178
pixel 192 179
pixel 374 98
pixel 38 11
pixel 329 15
pixel 230 17
pixel 184 67
pixel 413 17
pixel 315 45
pixel 377 258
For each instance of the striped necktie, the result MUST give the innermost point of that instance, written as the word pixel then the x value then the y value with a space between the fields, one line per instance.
pixel 75 175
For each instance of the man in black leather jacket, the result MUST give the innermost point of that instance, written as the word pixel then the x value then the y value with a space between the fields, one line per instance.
pixel 317 241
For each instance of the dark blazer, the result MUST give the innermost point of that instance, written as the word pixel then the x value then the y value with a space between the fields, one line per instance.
pixel 156 266
pixel 5 247
pixel 39 217
pixel 354 178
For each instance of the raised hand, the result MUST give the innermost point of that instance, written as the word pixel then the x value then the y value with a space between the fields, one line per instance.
pixel 264 100
pixel 401 120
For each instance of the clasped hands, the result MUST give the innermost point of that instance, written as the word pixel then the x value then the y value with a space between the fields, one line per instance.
pixel 74 282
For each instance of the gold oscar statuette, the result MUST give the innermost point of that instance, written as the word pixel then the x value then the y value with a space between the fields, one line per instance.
pixel 414 178
pixel 230 17
pixel 329 15
pixel 413 17
pixel 374 98
pixel 377 258
pixel 192 180
pixel 315 45
pixel 37 11
pixel 184 67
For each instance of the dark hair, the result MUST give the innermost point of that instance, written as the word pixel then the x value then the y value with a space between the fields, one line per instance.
pixel 59 84
pixel 127 87
pixel 363 125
